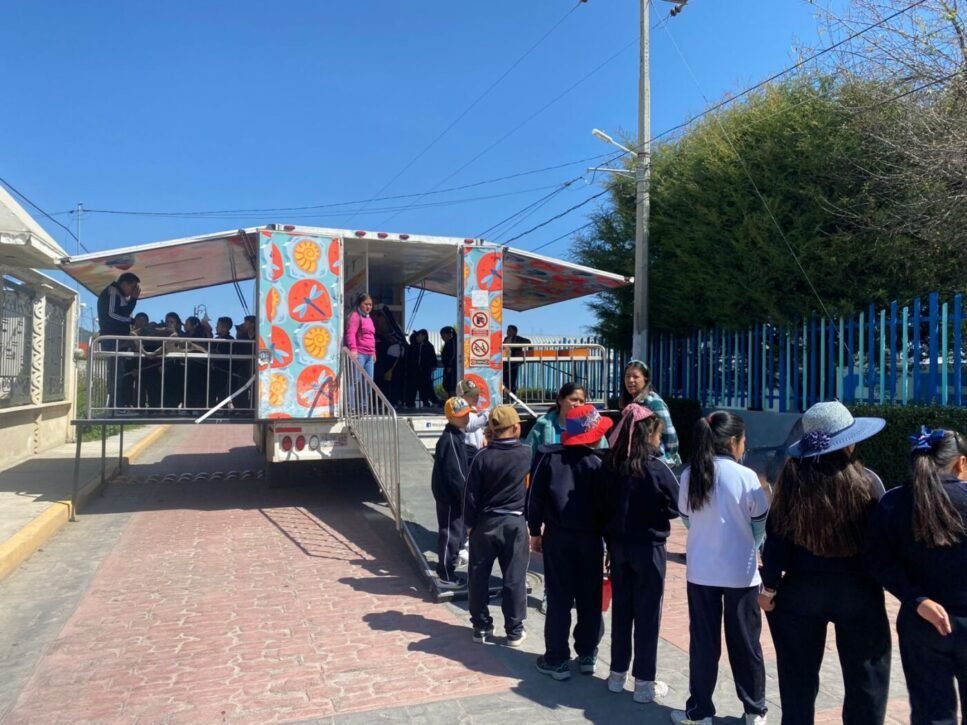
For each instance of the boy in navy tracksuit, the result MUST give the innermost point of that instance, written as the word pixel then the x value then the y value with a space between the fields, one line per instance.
pixel 449 481
pixel 494 514
pixel 561 506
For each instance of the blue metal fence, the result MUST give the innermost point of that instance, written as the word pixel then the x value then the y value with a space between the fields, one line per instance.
pixel 897 355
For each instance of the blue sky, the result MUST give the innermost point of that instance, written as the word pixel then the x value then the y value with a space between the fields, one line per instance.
pixel 185 106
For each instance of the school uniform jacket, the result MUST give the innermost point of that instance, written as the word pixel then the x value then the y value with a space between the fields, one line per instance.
pixel 497 480
pixel 908 569
pixel 450 467
pixel 638 509
pixel 563 490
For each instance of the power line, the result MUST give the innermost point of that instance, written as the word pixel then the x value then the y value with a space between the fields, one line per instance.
pixel 26 199
pixel 530 118
pixel 544 199
pixel 796 66
pixel 213 213
pixel 563 236
pixel 477 100
pixel 558 216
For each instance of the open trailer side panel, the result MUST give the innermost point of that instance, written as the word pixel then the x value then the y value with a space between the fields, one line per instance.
pixel 300 317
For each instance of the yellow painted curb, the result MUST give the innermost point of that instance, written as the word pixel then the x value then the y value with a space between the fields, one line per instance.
pixel 15 550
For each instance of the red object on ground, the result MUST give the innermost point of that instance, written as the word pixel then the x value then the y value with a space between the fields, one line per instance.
pixel 606 594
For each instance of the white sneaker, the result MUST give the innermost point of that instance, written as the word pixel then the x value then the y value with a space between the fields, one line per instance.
pixel 464 557
pixel 648 691
pixel 616 681
pixel 680 718
pixel 751 719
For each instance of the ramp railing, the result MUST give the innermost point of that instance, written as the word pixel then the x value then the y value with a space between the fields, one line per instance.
pixel 535 372
pixel 373 422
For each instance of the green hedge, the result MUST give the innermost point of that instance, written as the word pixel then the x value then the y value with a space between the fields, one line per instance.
pixel 887 453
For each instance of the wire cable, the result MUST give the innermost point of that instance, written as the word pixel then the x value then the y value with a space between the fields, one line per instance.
pixel 26 199
pixel 477 100
pixel 558 216
pixel 543 200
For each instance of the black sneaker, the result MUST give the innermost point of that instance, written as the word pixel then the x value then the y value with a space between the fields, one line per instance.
pixel 516 640
pixel 481 635
pixel 558 672
pixel 586 664
pixel 450 584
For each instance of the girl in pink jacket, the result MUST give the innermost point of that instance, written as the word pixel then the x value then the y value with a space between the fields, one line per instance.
pixel 361 333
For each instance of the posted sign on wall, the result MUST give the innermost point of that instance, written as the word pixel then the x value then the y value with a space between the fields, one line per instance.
pixel 482 329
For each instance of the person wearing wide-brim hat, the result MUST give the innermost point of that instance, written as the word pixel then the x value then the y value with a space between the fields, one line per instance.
pixel 563 526
pixel 814 573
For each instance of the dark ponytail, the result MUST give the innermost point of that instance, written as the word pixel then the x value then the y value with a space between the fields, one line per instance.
pixel 712 436
pixel 935 520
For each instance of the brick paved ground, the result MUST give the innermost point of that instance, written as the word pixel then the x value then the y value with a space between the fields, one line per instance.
pixel 223 600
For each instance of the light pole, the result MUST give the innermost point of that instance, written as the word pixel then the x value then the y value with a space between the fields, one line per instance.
pixel 642 154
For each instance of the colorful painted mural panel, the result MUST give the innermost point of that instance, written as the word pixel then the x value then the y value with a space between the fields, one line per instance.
pixel 482 329
pixel 300 326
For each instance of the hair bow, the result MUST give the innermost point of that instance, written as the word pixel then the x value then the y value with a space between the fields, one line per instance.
pixel 634 413
pixel 927 439
pixel 814 443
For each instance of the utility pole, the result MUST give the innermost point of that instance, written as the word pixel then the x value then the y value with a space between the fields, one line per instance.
pixel 639 345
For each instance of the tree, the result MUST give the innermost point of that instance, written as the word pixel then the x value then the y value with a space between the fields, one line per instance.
pixel 762 212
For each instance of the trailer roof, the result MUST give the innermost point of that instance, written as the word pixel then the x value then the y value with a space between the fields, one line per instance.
pixel 178 265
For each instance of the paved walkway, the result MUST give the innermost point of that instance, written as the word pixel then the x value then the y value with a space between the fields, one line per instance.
pixel 212 598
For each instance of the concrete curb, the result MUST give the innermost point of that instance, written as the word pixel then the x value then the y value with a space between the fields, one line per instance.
pixel 18 548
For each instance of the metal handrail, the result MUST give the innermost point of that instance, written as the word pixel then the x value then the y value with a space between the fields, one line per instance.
pixel 373 422
pixel 538 370
pixel 125 370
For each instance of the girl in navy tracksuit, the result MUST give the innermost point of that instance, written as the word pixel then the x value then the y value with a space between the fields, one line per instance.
pixel 561 516
pixel 640 499
pixel 918 551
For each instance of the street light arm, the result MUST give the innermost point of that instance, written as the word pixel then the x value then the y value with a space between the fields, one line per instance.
pixel 602 136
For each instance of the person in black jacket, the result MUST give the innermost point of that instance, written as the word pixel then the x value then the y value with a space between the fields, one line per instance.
pixel 561 515
pixel 115 308
pixel 640 499
pixel 494 513
pixel 814 573
pixel 918 551
pixel 449 482
pixel 420 363
pixel 448 360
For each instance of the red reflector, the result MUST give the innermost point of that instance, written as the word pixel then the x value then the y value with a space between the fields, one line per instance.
pixel 360 234
pixel 382 235
pixel 288 227
pixel 288 430
pixel 287 444
pixel 404 237
pixel 468 241
pixel 300 443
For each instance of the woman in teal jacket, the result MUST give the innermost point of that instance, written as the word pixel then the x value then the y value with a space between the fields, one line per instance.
pixel 548 428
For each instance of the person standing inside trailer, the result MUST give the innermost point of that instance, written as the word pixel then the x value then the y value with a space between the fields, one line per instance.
pixel 361 334
pixel 814 572
pixel 115 307
pixel 448 360
pixel 565 528
pixel 918 551
pixel 637 389
pixel 724 508
pixel 640 498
